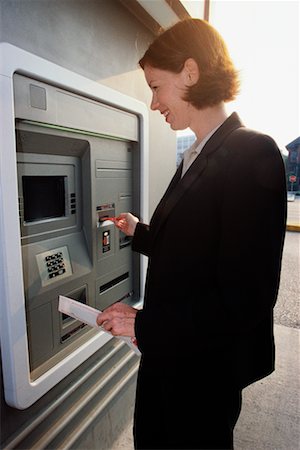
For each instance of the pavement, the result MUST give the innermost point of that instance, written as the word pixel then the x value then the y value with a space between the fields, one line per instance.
pixel 270 413
pixel 270 416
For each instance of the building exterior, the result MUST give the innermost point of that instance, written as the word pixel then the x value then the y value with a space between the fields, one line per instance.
pixel 183 142
pixel 293 165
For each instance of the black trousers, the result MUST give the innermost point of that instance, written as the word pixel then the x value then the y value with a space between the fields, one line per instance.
pixel 189 411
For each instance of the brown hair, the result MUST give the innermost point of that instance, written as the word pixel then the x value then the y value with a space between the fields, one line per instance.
pixel 197 39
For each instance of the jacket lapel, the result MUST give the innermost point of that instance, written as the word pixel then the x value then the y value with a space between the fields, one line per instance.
pixel 159 210
pixel 180 186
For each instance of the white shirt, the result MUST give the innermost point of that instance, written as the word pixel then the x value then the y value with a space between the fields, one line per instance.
pixel 192 152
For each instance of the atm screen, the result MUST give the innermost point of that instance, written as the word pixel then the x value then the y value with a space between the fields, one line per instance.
pixel 44 197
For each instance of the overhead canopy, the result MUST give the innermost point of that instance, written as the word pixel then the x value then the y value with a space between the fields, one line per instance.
pixel 159 14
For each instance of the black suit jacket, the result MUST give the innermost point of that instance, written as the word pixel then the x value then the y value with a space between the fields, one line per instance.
pixel 215 246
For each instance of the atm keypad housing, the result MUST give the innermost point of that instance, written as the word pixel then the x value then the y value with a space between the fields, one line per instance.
pixel 78 254
pixel 54 263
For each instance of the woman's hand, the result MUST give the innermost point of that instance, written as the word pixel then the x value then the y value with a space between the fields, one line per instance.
pixel 118 319
pixel 126 222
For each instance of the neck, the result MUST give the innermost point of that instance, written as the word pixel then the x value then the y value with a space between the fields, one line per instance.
pixel 205 120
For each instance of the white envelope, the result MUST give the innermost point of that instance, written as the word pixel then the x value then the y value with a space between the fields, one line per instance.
pixel 88 315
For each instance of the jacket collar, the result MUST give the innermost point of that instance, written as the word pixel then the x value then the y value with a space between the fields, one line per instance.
pixel 179 186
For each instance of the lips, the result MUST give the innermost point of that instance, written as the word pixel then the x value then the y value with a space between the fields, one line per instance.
pixel 165 113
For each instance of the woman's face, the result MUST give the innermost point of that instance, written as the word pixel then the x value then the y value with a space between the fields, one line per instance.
pixel 168 90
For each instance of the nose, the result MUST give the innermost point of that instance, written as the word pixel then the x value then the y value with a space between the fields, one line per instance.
pixel 154 103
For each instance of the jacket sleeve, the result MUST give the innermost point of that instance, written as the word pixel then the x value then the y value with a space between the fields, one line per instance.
pixel 252 233
pixel 141 239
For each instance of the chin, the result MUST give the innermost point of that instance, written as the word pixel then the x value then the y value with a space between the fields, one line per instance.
pixel 177 127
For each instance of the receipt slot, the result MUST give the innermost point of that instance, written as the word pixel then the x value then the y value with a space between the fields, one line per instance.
pixel 75 156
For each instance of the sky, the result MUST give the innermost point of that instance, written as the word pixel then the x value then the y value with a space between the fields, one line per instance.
pixel 263 39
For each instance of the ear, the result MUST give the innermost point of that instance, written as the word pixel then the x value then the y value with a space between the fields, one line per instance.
pixel 191 72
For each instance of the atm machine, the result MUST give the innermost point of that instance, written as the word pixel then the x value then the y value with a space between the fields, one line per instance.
pixel 74 153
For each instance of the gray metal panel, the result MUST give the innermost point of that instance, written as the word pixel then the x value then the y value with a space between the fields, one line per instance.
pixel 41 332
pixel 79 259
pixel 85 114
pixel 104 173
pixel 71 110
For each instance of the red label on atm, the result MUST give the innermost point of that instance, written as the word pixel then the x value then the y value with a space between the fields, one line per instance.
pixel 105 241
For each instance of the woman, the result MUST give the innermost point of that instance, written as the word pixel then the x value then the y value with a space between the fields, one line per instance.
pixel 214 245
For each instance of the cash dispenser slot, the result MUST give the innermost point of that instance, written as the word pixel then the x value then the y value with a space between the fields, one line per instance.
pixel 67 336
pixel 124 240
pixel 105 287
pixel 113 288
pixel 71 326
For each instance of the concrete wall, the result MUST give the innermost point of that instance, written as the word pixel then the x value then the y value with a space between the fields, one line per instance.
pixel 100 40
